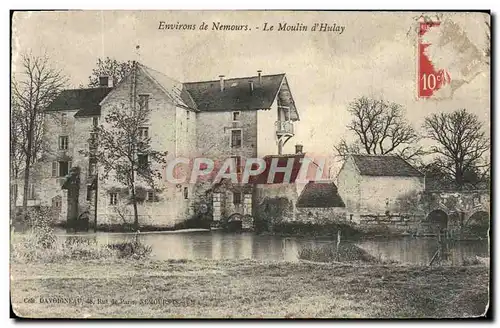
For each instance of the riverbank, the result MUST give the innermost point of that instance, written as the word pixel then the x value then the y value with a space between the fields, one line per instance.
pixel 244 288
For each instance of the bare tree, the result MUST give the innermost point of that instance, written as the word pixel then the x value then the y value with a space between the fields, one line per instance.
pixel 462 144
pixel 344 148
pixel 380 128
pixel 111 68
pixel 124 153
pixel 16 150
pixel 33 89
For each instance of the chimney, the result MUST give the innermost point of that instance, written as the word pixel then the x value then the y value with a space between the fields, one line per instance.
pixel 250 83
pixel 298 149
pixel 103 81
pixel 221 82
pixel 259 74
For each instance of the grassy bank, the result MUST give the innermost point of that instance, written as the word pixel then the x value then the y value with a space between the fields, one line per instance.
pixel 159 289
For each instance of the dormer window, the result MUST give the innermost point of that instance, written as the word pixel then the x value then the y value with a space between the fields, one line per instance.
pixel 236 116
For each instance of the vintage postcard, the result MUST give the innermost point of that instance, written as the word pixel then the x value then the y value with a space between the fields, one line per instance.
pixel 250 164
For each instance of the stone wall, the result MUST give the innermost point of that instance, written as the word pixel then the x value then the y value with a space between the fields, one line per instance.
pixel 319 215
pixel 213 131
pixel 395 224
pixel 167 124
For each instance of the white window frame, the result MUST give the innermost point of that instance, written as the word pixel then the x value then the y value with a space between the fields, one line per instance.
pixel 57 169
pixel 61 144
pixel 231 138
pixel 141 132
pixel 234 198
pixel 239 116
pixel 64 119
pixel 31 191
pixel 238 160
pixel 113 198
pixel 150 195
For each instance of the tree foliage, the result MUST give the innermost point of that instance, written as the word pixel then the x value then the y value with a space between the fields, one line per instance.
pixel 126 155
pixel 379 128
pixel 462 145
pixel 113 69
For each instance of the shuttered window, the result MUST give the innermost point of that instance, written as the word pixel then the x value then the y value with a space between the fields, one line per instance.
pixel 54 169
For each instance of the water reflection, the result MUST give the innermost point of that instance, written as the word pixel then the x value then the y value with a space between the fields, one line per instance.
pixel 219 245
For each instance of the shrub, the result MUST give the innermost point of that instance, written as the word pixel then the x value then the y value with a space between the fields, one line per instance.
pixel 24 249
pixel 128 249
pixel 348 252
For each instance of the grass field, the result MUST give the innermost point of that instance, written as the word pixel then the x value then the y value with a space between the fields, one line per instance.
pixel 240 289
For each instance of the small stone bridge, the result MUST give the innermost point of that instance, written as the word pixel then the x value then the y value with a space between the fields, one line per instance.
pixel 459 214
pixel 459 211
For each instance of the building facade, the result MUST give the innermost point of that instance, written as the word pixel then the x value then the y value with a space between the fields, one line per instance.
pixel 236 118
pixel 372 184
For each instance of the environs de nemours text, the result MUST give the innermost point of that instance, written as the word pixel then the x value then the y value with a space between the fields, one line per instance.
pixel 265 27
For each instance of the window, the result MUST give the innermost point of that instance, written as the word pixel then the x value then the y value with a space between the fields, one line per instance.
pixel 63 142
pixel 63 168
pixel 89 193
pixel 113 198
pixel 142 160
pixel 236 116
pixel 64 119
pixel 143 132
pixel 92 166
pixel 95 121
pixel 143 102
pixel 236 198
pixel 150 196
pixel 31 191
pixel 186 193
pixel 13 190
pixel 93 141
pixel 237 163
pixel 187 114
pixel 236 138
pixel 56 202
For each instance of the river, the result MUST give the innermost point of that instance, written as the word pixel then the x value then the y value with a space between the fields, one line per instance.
pixel 223 245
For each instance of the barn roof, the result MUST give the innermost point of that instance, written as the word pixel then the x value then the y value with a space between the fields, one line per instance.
pixel 320 194
pixel 385 165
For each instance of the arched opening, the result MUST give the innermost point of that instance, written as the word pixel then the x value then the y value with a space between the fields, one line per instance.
pixel 234 222
pixel 438 220
pixel 478 224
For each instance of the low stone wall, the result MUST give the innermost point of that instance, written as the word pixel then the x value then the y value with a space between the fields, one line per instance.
pixel 396 224
pixel 320 215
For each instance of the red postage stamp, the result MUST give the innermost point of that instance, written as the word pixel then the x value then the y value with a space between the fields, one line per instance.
pixel 430 78
pixel 446 58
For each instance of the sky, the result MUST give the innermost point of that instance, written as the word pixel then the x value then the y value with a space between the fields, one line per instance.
pixel 374 56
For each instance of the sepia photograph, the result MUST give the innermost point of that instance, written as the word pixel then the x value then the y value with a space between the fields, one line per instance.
pixel 241 164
